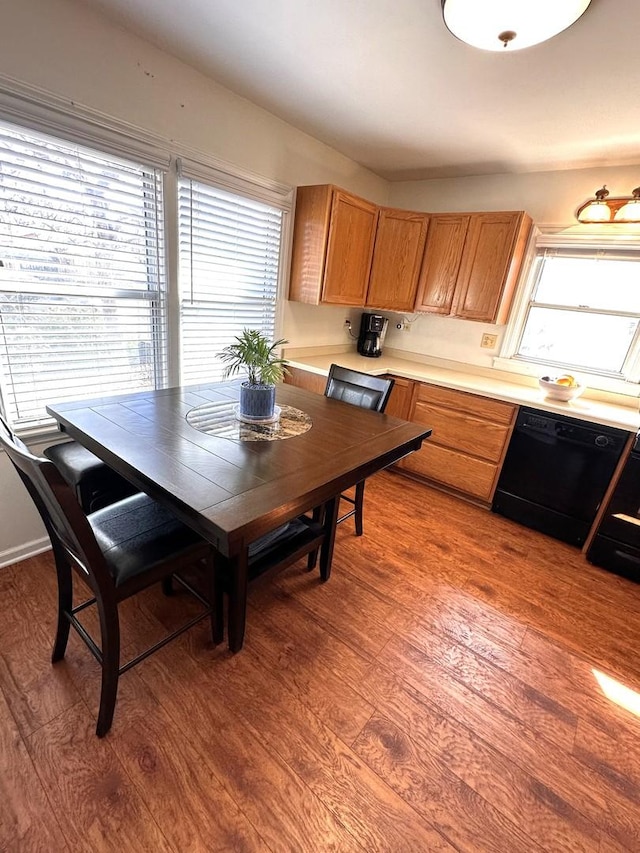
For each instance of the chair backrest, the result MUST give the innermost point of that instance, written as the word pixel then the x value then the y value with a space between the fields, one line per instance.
pixel 357 388
pixel 59 509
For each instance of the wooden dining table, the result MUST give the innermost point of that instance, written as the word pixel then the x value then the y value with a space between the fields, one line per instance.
pixel 233 482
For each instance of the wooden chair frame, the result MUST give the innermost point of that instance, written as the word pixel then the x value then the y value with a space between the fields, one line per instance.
pixel 76 548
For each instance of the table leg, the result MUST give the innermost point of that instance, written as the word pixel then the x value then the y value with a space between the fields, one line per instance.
pixel 238 570
pixel 330 524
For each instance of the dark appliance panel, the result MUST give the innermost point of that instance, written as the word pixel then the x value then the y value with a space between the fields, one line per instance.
pixel 616 545
pixel 556 472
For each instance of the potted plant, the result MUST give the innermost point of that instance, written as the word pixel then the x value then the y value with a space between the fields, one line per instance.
pixel 253 353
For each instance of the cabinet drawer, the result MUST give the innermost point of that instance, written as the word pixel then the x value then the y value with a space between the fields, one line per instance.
pixel 463 432
pixel 473 477
pixel 483 407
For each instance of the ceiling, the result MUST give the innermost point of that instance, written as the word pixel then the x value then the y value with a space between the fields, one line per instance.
pixel 385 83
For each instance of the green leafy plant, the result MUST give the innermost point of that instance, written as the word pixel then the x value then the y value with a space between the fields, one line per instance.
pixel 257 356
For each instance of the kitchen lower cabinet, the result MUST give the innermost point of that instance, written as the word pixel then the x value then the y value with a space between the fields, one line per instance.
pixel 400 403
pixel 468 443
pixel 306 379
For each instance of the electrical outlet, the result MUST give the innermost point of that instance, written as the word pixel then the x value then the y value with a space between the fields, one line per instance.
pixel 488 341
pixel 347 324
pixel 403 327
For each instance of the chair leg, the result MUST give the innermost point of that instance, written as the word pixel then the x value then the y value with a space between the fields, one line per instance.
pixel 359 501
pixel 65 602
pixel 110 632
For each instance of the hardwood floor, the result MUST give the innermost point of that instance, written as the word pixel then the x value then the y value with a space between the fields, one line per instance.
pixel 439 693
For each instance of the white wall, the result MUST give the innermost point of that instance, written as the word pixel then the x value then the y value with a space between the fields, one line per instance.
pixel 68 49
pixel 551 198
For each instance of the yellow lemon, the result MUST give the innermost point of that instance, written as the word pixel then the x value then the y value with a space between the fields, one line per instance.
pixel 567 379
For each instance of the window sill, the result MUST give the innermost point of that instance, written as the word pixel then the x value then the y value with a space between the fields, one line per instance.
pixel 598 385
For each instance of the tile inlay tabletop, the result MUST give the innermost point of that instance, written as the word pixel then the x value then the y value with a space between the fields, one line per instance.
pixel 219 418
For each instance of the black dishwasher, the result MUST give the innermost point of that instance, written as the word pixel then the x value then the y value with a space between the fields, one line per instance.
pixel 556 472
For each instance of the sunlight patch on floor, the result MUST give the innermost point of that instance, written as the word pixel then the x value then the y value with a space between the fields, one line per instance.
pixel 620 694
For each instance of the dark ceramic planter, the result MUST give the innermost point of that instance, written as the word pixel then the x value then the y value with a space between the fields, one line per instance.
pixel 257 401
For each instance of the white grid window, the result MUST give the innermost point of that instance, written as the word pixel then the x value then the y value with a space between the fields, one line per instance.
pixel 82 281
pixel 583 312
pixel 228 273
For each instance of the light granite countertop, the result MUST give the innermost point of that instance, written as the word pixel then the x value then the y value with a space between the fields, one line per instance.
pixel 618 411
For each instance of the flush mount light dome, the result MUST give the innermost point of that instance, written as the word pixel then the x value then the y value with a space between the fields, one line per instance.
pixel 509 24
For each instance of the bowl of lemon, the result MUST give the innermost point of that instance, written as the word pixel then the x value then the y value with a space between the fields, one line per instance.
pixel 565 387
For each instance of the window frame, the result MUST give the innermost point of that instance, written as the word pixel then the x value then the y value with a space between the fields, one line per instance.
pixel 28 107
pixel 190 170
pixel 616 237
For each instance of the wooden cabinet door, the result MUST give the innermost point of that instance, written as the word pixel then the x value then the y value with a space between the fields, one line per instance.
pixel 306 379
pixel 352 230
pixel 441 264
pixel 493 254
pixel 400 403
pixel 397 257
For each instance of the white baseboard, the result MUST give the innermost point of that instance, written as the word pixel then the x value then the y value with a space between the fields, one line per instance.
pixel 23 552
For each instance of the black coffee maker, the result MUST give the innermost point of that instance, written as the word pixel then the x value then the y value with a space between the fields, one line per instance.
pixel 373 328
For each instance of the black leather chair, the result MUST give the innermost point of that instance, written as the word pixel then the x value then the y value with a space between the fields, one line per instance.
pixel 118 551
pixel 280 548
pixel 95 484
pixel 368 392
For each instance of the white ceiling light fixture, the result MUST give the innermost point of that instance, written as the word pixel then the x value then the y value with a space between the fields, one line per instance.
pixel 510 24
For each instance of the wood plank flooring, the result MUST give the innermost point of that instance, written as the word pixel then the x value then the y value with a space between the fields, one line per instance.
pixel 440 693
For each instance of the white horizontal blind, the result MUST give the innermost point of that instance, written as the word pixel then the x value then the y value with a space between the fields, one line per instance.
pixel 228 271
pixel 82 280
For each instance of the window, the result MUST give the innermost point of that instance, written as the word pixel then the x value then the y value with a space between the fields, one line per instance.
pixel 86 306
pixel 583 312
pixel 228 273
pixel 82 285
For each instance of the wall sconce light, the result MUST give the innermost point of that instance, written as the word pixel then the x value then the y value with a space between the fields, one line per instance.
pixel 508 25
pixel 604 209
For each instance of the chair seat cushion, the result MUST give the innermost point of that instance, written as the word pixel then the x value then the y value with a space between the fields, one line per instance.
pixel 94 482
pixel 137 533
pixel 279 536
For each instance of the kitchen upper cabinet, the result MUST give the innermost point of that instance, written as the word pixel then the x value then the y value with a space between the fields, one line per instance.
pixel 348 251
pixel 471 264
pixel 397 258
pixel 333 239
pixel 442 259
